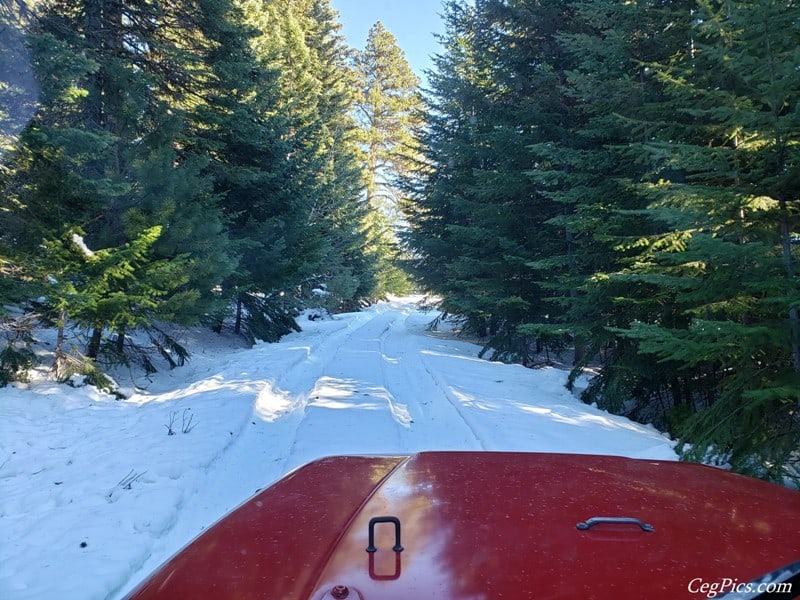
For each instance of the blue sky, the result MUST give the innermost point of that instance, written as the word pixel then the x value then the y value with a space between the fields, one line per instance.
pixel 412 22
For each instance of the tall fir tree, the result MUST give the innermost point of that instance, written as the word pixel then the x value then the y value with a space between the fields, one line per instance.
pixel 18 98
pixel 300 175
pixel 388 111
pixel 618 106
pixel 349 272
pixel 243 133
pixel 478 218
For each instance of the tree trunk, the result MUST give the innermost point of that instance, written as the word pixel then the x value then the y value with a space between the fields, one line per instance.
pixel 94 343
pixel 794 317
pixel 578 341
pixel 60 360
pixel 237 327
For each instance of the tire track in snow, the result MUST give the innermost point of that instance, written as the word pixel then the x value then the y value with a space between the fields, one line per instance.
pixel 347 404
pixel 455 403
pixel 399 410
pixel 424 397
pixel 430 398
pixel 292 383
pixel 403 388
pixel 326 384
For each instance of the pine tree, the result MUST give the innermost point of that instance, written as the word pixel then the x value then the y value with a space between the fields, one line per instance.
pixel 388 111
pixel 101 156
pixel 224 125
pixel 649 150
pixel 236 127
pixel 437 189
pixel 478 218
pixel 283 160
pixel 617 105
pixel 730 255
pixel 18 95
pixel 348 270
pixel 120 289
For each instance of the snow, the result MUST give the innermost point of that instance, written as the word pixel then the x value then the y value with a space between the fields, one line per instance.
pixel 95 492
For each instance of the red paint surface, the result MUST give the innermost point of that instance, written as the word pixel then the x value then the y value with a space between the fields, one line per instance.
pixel 489 525
pixel 276 544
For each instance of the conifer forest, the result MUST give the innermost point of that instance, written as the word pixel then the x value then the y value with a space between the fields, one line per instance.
pixel 613 185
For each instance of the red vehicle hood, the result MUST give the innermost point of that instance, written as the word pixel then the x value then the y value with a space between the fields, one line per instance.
pixel 487 525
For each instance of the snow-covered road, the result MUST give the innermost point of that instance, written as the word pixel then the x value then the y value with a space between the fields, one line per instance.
pixel 94 494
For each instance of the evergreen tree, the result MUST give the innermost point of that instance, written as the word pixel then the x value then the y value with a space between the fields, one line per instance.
pixel 240 131
pixel 478 218
pixel 286 172
pixel 18 96
pixel 119 289
pixel 349 269
pixel 101 154
pixel 224 125
pixel 388 111
pixel 617 106
pixel 735 334
pixel 647 148
pixel 446 169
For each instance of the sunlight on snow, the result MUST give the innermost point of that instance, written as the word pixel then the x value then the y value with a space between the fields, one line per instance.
pixel 469 400
pixel 579 419
pixel 271 404
pixel 342 394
